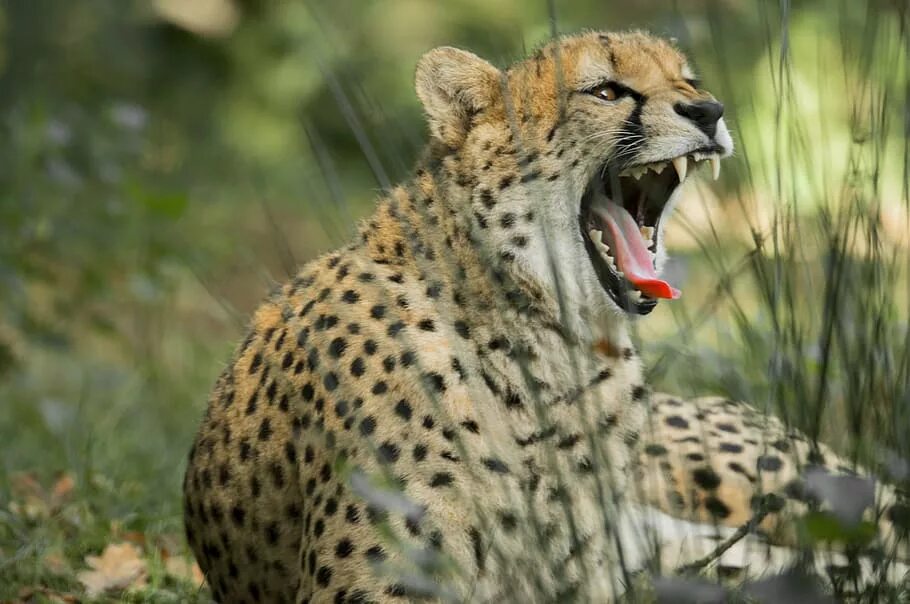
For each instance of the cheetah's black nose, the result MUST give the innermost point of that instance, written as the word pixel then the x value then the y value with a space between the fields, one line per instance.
pixel 703 113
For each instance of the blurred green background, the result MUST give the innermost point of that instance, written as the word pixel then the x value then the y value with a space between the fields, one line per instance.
pixel 163 163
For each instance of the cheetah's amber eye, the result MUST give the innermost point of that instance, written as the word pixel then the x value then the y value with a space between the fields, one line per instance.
pixel 607 91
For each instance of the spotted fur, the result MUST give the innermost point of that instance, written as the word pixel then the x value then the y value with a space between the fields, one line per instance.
pixel 451 404
pixel 718 461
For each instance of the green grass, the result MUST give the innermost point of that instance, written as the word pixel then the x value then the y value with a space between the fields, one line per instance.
pixel 117 416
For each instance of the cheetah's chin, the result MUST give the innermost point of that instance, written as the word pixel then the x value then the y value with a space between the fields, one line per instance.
pixel 620 220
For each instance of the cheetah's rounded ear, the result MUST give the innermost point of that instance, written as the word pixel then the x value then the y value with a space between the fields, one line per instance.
pixel 453 86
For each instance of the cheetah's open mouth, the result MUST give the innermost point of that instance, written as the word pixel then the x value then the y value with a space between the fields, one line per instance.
pixel 620 224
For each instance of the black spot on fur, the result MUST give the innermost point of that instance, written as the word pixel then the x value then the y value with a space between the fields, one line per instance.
pixel 367 425
pixel 479 554
pixel 531 176
pixel 375 554
pixel 324 576
pixel 433 290
pixel 256 363
pixel 716 507
pixel 265 429
pixel 655 450
pixel 706 478
pixel 358 367
pixel 781 445
pixel 441 479
pixel 245 450
pixel 403 409
pixel 251 403
pixel 337 347
pixel 238 514
pixel 495 465
pixel 330 381
pixel 471 426
pixel 769 463
pixel 271 533
pixel 351 514
pixel 306 308
pixel 344 548
pixel 508 520
pixel 487 199
pixel 277 473
pixel 567 442
pixel 435 381
pixel 677 421
pixel 461 328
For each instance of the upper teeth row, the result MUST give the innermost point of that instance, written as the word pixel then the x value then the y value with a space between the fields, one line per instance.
pixel 647 233
pixel 680 164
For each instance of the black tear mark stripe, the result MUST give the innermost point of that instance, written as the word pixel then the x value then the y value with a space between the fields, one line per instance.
pixel 633 124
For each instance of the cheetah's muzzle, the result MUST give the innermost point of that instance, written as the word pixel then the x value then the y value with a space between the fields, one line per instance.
pixel 620 220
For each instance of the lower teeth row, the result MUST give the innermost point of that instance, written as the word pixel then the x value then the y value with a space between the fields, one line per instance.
pixel 597 237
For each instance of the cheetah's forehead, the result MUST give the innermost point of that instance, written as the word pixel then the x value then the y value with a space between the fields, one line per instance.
pixel 635 58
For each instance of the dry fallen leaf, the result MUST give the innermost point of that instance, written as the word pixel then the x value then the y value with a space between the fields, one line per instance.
pixel 62 489
pixel 135 537
pixel 32 500
pixel 119 567
pixel 181 568
pixel 30 594
pixel 28 496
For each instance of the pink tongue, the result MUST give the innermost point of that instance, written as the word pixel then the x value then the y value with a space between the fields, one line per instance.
pixel 632 258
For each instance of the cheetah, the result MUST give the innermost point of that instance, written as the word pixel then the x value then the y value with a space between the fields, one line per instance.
pixel 451 406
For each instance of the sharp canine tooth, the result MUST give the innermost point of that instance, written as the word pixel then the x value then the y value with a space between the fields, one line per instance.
pixel 647 233
pixel 715 166
pixel 682 166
